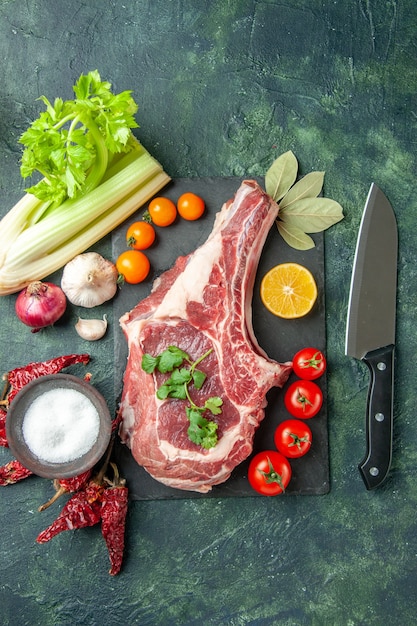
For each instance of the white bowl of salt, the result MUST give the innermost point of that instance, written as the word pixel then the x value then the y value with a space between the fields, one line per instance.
pixel 58 426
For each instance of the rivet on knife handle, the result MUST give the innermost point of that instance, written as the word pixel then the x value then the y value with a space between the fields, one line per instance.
pixel 379 426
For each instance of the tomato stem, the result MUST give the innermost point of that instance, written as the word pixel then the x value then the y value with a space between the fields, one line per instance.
pixel 297 441
pixel 272 475
pixel 315 361
pixel 303 400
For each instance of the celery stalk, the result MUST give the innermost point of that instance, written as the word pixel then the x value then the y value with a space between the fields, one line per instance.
pixel 73 215
pixel 95 175
pixel 15 278
pixel 15 221
pixel 46 246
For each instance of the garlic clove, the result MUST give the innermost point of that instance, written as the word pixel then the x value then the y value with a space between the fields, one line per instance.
pixel 91 330
pixel 89 279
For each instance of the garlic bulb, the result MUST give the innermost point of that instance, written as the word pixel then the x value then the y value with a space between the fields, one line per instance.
pixel 91 330
pixel 89 280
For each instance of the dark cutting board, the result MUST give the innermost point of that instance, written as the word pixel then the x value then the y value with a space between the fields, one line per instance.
pixel 279 338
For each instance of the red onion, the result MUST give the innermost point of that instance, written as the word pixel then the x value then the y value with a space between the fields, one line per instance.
pixel 40 305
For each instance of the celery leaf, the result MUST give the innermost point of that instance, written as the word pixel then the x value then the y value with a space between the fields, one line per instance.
pixel 72 141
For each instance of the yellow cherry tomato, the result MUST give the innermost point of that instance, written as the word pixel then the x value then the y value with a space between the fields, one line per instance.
pixel 190 206
pixel 133 266
pixel 140 235
pixel 162 211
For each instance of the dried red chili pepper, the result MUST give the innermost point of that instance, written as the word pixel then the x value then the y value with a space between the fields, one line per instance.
pixel 20 376
pixel 12 472
pixel 113 514
pixel 75 483
pixel 3 414
pixel 3 438
pixel 67 485
pixel 82 509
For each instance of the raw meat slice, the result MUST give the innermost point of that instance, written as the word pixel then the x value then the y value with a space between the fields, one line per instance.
pixel 203 302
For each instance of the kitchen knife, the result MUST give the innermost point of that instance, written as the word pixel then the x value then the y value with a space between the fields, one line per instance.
pixel 370 332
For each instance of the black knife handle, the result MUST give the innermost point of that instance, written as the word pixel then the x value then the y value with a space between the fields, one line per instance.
pixel 379 423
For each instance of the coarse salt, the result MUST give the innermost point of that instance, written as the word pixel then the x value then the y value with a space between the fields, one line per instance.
pixel 60 425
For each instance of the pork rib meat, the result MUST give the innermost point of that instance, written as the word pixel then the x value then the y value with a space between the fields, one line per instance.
pixel 203 302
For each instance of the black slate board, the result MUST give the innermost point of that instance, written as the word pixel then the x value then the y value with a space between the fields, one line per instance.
pixel 279 338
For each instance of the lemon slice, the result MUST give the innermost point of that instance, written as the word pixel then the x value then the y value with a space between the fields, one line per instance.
pixel 289 290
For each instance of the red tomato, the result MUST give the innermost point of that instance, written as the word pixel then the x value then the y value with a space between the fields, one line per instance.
pixel 190 206
pixel 269 473
pixel 140 235
pixel 133 265
pixel 162 211
pixel 303 399
pixel 309 363
pixel 293 438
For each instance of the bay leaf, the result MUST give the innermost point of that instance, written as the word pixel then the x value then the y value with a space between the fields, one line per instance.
pixel 312 215
pixel 295 237
pixel 281 175
pixel 307 187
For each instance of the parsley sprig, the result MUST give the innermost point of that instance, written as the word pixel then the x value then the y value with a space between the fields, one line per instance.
pixel 184 372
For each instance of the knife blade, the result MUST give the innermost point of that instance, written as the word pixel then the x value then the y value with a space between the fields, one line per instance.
pixel 370 330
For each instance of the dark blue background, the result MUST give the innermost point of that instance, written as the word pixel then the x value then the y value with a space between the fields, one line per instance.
pixel 223 88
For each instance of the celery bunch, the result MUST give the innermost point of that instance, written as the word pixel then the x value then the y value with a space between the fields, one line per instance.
pixel 93 174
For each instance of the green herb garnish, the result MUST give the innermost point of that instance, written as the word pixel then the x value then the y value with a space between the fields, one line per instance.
pixel 184 372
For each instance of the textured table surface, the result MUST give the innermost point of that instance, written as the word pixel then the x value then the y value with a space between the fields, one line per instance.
pixel 223 88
